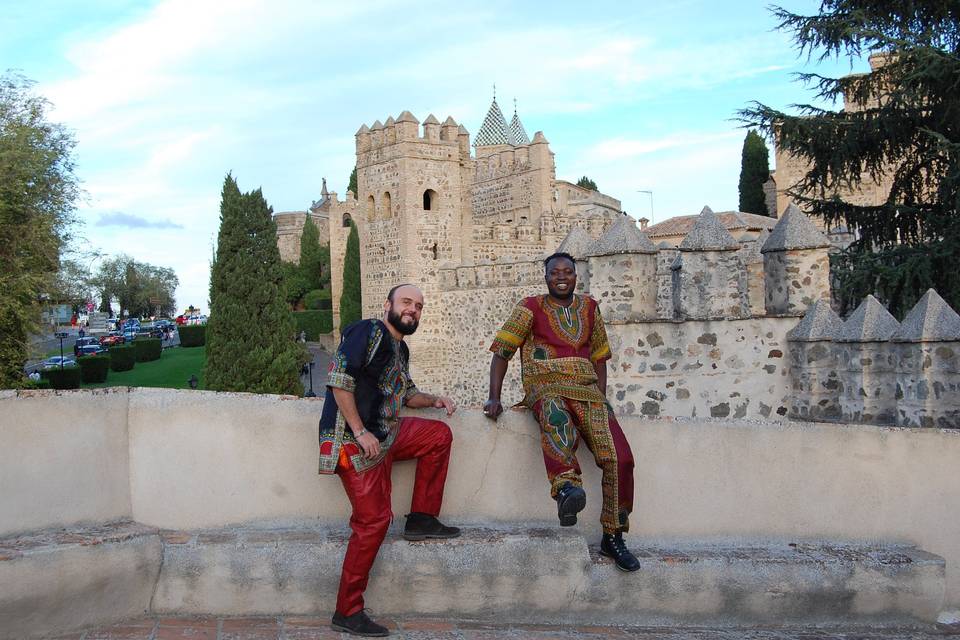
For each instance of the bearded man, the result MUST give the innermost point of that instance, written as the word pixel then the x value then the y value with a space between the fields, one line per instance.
pixel 563 356
pixel 361 435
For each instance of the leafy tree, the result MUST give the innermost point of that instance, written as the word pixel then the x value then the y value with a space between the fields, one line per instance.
pixel 350 301
pixel 314 257
pixel 141 289
pixel 38 192
pixel 904 127
pixel 587 183
pixel 294 284
pixel 352 184
pixel 250 336
pixel 754 171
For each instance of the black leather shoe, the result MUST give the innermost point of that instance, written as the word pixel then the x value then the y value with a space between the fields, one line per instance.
pixel 613 546
pixel 421 526
pixel 571 500
pixel 359 624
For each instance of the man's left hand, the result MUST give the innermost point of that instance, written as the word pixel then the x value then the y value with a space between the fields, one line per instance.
pixel 443 402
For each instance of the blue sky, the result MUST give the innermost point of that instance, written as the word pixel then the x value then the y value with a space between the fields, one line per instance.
pixel 166 97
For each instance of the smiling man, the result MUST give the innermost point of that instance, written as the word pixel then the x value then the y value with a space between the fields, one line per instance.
pixel 361 435
pixel 563 355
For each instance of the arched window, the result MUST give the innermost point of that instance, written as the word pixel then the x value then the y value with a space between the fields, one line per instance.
pixel 371 209
pixel 429 200
pixel 346 220
pixel 387 208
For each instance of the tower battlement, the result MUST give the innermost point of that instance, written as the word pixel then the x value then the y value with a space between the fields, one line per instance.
pixel 405 136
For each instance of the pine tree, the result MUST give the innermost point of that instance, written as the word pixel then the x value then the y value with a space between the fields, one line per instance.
pixel 754 171
pixel 350 301
pixel 905 128
pixel 352 184
pixel 250 333
pixel 587 183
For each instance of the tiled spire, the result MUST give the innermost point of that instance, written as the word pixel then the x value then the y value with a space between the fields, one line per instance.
pixel 494 128
pixel 517 134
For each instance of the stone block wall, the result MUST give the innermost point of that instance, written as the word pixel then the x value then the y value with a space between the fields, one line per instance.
pixel 797 280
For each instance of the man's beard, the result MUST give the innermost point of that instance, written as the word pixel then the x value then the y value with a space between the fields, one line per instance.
pixel 396 320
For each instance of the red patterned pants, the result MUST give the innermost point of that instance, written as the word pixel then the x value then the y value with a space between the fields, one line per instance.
pixel 563 423
pixel 369 492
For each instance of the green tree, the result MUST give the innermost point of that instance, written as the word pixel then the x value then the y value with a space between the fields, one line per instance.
pixel 350 300
pixel 754 171
pixel 251 343
pixel 587 183
pixel 38 192
pixel 314 257
pixel 905 127
pixel 140 289
pixel 352 184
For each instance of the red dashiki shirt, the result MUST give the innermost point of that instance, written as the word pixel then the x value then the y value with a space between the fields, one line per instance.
pixel 558 347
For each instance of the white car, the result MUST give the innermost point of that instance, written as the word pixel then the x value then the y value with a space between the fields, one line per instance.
pixel 55 361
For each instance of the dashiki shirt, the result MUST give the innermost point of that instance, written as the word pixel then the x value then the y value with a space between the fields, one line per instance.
pixel 373 365
pixel 558 347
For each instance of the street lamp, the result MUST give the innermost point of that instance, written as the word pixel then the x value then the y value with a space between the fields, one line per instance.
pixel 649 193
pixel 61 335
pixel 310 394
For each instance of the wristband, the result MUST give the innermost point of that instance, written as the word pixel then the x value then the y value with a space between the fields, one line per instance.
pixel 362 431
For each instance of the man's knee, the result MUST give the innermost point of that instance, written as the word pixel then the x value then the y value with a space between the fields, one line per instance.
pixel 442 432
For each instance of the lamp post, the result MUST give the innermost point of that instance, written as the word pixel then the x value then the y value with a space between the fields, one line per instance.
pixel 61 335
pixel 649 193
pixel 310 394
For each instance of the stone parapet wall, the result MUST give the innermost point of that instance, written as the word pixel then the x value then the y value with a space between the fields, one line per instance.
pixel 797 279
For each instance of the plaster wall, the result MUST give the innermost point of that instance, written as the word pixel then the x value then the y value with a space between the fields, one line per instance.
pixel 63 459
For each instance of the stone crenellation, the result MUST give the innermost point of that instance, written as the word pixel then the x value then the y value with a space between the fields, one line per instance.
pixel 876 370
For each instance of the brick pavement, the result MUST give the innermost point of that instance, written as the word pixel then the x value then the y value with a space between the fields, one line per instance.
pixel 318 628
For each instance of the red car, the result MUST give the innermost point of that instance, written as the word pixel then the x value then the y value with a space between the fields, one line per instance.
pixel 112 338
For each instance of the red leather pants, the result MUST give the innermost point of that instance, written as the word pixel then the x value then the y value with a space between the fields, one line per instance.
pixel 369 492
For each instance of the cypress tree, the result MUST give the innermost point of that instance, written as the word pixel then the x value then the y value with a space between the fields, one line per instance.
pixel 587 183
pixel 352 184
pixel 310 265
pixel 903 128
pixel 251 342
pixel 350 301
pixel 754 171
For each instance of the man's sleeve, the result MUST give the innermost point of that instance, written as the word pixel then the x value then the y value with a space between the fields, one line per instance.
pixel 513 332
pixel 599 346
pixel 409 386
pixel 350 357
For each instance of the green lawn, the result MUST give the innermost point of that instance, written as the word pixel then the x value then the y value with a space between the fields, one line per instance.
pixel 171 371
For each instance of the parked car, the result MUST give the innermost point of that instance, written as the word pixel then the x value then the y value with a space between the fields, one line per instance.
pixel 129 334
pixel 57 361
pixel 112 338
pixel 92 349
pixel 79 345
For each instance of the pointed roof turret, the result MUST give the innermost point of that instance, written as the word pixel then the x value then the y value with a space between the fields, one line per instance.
pixel 431 119
pixel 819 323
pixel 406 116
pixel 362 130
pixel 795 231
pixel 708 234
pixel 494 128
pixel 578 243
pixel 449 122
pixel 377 126
pixel 461 130
pixel 869 323
pixel 390 121
pixel 623 237
pixel 539 138
pixel 517 134
pixel 930 320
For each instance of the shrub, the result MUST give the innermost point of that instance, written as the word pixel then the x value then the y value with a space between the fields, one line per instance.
pixel 318 299
pixel 122 357
pixel 192 335
pixel 42 383
pixel 148 349
pixel 65 378
pixel 315 323
pixel 94 368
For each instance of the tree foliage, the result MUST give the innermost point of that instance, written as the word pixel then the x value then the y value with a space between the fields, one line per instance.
pixel 38 192
pixel 352 184
pixel 350 300
pixel 250 335
pixel 314 257
pixel 904 128
pixel 754 172
pixel 139 288
pixel 587 183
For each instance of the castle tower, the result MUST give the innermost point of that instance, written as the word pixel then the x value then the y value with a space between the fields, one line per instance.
pixel 623 273
pixel 708 278
pixel 813 365
pixel 927 347
pixel 867 372
pixel 796 265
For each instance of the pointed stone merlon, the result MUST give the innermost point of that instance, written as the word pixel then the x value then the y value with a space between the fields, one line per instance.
pixel 814 377
pixel 431 129
pixel 448 130
pixel 708 278
pixel 579 244
pixel 753 263
pixel 927 347
pixel 407 126
pixel 796 265
pixel 867 368
pixel 623 273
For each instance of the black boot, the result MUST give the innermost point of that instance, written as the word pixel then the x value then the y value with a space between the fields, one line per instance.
pixel 359 624
pixel 571 500
pixel 421 526
pixel 613 546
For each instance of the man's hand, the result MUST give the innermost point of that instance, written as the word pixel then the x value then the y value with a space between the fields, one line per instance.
pixel 443 402
pixel 370 445
pixel 492 408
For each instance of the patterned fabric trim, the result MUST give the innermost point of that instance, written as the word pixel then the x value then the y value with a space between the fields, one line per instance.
pixel 341 380
pixel 599 344
pixel 573 378
pixel 513 333
pixel 568 323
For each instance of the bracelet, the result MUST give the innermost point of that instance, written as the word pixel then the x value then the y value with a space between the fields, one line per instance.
pixel 362 431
